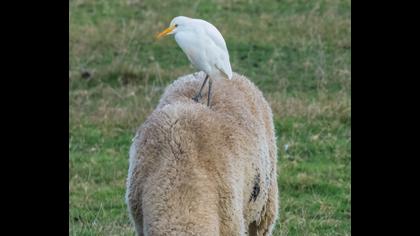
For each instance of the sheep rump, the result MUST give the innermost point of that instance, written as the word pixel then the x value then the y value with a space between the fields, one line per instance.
pixel 196 170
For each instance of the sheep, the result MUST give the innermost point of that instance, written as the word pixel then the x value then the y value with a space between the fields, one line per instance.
pixel 198 170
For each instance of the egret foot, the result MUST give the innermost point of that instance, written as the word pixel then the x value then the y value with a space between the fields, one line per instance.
pixel 198 95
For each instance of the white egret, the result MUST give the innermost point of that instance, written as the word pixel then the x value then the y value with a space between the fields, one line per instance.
pixel 204 46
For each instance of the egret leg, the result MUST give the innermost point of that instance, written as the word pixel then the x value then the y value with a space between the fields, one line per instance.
pixel 209 94
pixel 198 95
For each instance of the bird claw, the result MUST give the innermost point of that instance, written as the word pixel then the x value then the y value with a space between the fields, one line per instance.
pixel 196 97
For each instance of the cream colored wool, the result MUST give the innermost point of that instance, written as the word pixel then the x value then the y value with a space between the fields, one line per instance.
pixel 196 170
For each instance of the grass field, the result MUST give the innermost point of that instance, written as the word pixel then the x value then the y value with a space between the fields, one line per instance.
pixel 297 52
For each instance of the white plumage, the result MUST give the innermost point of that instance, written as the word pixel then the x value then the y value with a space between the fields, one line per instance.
pixel 204 46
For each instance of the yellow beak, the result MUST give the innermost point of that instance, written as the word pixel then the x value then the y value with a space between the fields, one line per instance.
pixel 165 32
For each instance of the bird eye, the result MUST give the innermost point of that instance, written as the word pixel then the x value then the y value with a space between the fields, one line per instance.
pixel 176 25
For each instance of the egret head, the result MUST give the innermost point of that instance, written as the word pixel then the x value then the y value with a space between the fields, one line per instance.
pixel 177 24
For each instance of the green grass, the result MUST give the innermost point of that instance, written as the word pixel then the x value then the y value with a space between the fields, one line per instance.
pixel 297 52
